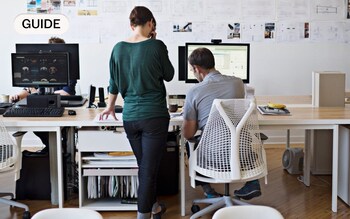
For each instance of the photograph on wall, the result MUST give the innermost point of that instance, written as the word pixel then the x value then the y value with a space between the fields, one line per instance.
pixel 182 27
pixel 69 3
pixel 348 9
pixel 306 30
pixel 31 6
pixel 87 12
pixel 234 31
pixel 269 31
pixel 44 7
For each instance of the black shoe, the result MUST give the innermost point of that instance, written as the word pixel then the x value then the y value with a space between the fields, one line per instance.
pixel 249 190
pixel 162 211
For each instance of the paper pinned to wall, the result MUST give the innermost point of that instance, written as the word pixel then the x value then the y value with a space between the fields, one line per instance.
pixel 323 31
pixel 258 9
pixel 291 31
pixel 222 10
pixel 327 9
pixel 253 31
pixel 296 9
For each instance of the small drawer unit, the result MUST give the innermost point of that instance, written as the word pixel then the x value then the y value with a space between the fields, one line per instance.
pixel 107 170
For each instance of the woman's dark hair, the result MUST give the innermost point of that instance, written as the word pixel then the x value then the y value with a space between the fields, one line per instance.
pixel 140 15
pixel 202 57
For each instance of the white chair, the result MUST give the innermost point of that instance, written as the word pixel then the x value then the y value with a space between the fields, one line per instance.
pixel 67 213
pixel 10 166
pixel 248 212
pixel 230 150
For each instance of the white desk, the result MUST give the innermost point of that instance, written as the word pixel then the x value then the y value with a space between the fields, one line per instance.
pixel 306 118
pixel 53 125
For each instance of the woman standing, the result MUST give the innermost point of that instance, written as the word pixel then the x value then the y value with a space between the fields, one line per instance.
pixel 138 68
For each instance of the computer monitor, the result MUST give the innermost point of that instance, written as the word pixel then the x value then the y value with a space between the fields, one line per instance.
pixel 71 48
pixel 40 69
pixel 230 59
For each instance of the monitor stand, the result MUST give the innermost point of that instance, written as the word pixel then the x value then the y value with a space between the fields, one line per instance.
pixel 49 90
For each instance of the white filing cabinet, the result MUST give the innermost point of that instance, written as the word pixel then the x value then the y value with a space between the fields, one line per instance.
pixel 91 141
pixel 344 164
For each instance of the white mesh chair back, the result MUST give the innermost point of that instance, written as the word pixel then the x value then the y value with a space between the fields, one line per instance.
pixel 230 148
pixel 8 150
pixel 248 212
pixel 67 213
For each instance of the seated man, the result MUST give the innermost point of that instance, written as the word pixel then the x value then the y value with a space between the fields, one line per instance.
pixel 66 90
pixel 199 100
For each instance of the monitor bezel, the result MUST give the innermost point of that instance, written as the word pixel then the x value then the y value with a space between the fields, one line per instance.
pixel 71 48
pixel 39 85
pixel 190 80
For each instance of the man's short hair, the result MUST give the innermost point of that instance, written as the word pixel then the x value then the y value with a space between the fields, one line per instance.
pixel 202 57
pixel 56 40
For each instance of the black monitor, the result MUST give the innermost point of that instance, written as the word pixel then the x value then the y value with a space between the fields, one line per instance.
pixel 40 69
pixel 71 48
pixel 230 59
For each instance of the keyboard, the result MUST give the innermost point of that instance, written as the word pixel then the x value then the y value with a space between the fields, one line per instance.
pixel 33 112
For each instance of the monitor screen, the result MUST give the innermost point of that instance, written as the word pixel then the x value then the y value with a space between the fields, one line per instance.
pixel 71 48
pixel 230 59
pixel 40 69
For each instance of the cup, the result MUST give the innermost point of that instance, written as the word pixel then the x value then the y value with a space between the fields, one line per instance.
pixel 173 107
pixel 4 98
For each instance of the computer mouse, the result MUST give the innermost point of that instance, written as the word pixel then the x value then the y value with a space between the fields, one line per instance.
pixel 72 113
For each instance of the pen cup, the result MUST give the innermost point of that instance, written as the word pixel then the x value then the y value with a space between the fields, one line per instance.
pixel 4 98
pixel 173 107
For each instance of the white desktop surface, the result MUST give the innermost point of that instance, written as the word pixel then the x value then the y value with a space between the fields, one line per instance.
pixel 307 118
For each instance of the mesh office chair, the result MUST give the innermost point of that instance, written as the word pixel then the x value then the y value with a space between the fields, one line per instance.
pixel 67 213
pixel 248 212
pixel 230 150
pixel 10 166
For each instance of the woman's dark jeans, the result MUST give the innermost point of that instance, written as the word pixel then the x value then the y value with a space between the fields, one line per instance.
pixel 148 141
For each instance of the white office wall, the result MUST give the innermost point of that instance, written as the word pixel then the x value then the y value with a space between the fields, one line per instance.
pixel 276 68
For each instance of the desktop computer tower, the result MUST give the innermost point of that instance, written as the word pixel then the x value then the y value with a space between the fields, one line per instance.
pixel 34 182
pixel 168 175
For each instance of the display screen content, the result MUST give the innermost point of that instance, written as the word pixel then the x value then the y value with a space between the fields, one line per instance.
pixel 71 48
pixel 40 69
pixel 230 59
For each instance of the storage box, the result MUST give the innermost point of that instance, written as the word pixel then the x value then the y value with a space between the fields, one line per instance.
pixel 328 89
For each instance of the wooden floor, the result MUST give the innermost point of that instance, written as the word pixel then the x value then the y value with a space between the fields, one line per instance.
pixel 283 192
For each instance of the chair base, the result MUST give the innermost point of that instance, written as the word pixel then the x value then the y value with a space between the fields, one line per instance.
pixel 11 202
pixel 215 203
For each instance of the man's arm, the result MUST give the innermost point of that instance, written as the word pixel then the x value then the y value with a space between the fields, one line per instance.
pixel 189 128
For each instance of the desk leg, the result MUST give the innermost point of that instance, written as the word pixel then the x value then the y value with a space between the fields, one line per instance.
pixel 335 168
pixel 307 156
pixel 56 168
pixel 182 175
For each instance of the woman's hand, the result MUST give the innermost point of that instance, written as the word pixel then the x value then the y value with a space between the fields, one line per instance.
pixel 109 111
pixel 152 35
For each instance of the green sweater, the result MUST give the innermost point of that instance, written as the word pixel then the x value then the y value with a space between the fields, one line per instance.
pixel 137 72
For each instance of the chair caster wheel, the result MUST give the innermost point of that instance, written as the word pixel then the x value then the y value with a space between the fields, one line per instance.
pixel 26 215
pixel 195 209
